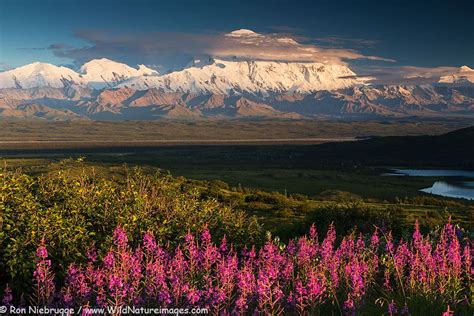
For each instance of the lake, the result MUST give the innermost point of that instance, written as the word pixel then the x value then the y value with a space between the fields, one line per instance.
pixel 461 187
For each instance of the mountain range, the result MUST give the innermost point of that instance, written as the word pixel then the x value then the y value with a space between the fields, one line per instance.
pixel 103 89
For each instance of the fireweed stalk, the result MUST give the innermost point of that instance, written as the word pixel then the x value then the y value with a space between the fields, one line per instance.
pixel 356 275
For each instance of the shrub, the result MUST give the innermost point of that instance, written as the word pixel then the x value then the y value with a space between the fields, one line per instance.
pixel 73 213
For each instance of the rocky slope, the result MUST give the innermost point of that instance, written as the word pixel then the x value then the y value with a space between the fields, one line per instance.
pixel 125 103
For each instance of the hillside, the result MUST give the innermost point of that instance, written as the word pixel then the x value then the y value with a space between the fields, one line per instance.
pixel 450 149
pixel 359 102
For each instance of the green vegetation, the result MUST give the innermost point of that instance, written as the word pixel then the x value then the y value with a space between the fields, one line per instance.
pixel 75 211
pixel 75 197
pixel 77 203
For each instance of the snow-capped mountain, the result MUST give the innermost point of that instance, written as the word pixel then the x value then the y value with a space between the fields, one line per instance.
pixel 100 72
pixel 464 75
pixel 97 74
pixel 201 76
pixel 255 77
pixel 223 88
pixel 38 75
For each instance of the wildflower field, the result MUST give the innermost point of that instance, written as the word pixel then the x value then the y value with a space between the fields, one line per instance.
pixel 155 241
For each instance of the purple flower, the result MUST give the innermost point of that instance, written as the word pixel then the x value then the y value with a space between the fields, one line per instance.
pixel 274 279
pixel 7 296
pixel 149 242
pixel 392 308
pixel 41 251
pixel 92 254
pixel 206 236
pixel 109 259
pixel 404 310
pixel 43 276
pixel 120 237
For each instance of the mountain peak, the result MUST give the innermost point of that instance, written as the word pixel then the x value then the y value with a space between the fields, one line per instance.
pixel 38 66
pixel 104 72
pixel 202 76
pixel 465 68
pixel 102 64
pixel 146 71
pixel 37 74
pixel 463 76
pixel 228 77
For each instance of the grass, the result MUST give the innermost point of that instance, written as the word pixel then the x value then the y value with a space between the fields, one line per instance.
pixel 287 201
pixel 237 167
pixel 24 134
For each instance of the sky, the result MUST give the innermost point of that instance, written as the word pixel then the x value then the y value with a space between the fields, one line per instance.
pixel 372 37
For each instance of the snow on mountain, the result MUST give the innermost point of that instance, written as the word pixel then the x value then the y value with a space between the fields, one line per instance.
pixel 101 73
pixel 464 75
pixel 255 77
pixel 207 75
pixel 38 75
pixel 97 73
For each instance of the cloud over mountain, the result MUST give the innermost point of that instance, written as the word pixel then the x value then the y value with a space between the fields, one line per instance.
pixel 411 75
pixel 174 49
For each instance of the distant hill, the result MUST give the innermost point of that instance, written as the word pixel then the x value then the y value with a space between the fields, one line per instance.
pixel 451 149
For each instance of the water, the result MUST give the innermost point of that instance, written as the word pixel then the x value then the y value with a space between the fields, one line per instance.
pixel 461 188
pixel 433 173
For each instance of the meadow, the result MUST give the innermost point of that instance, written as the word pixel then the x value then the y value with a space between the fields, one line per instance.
pixel 73 237
pixel 99 134
pixel 271 229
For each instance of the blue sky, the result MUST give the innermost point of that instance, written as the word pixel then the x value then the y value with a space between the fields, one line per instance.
pixel 412 33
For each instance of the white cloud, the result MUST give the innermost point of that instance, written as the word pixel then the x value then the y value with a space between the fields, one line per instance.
pixel 160 48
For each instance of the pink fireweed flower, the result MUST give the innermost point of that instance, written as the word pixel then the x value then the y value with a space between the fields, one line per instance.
pixel 43 276
pixel 223 245
pixel 355 272
pixel 392 308
pixel 349 306
pixel 386 279
pixel 454 256
pixel 448 312
pixel 327 245
pixel 360 245
pixel 313 234
pixel 305 253
pixel 302 277
pixel 92 254
pixel 109 260
pixel 206 235
pixel 41 251
pixel 417 237
pixel 193 296
pixel 467 261
pixel 245 286
pixel 7 296
pixel 374 240
pixel 67 297
pixel 77 281
pixel 120 237
pixel 405 310
pixel 315 287
pixel 389 246
pixel 149 242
